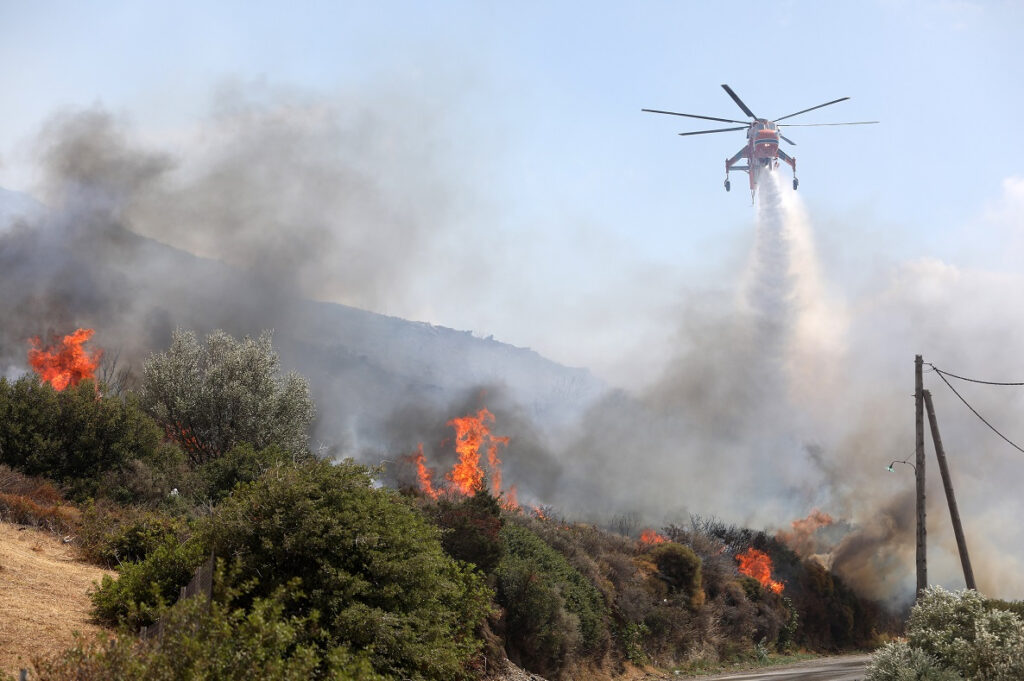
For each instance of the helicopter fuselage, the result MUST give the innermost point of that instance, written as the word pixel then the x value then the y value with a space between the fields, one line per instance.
pixel 761 151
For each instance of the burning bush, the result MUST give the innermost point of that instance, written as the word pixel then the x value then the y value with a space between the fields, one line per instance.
pixel 467 477
pixel 67 364
pixel 758 565
pixel 210 398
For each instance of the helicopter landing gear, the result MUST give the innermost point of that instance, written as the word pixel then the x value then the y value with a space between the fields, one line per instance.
pixel 796 183
pixel 728 185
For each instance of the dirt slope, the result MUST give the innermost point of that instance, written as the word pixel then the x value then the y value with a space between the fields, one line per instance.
pixel 43 595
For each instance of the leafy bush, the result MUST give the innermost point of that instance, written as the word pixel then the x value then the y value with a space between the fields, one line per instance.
pixel 73 436
pixel 211 398
pixel 552 611
pixel 962 634
pixel 471 529
pixel 203 640
pixel 368 563
pixel 111 534
pixel 144 590
pixel 679 567
pixel 148 479
pixel 215 478
pixel 899 662
pixel 953 635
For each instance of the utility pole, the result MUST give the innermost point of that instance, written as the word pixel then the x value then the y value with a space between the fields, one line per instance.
pixel 947 482
pixel 922 532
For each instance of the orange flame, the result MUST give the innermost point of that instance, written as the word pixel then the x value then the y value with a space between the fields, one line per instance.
pixel 495 464
pixel 539 512
pixel 424 475
pixel 67 364
pixel 468 477
pixel 471 433
pixel 650 537
pixel 758 564
pixel 802 539
pixel 511 500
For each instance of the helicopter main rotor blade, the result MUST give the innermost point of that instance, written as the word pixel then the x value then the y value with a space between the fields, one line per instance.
pixel 706 118
pixel 834 101
pixel 739 102
pixel 787 139
pixel 705 132
pixel 816 125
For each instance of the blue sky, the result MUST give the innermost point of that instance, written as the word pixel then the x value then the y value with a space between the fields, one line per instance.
pixel 602 219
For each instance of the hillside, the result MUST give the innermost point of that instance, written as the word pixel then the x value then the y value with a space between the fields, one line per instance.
pixel 68 271
pixel 44 599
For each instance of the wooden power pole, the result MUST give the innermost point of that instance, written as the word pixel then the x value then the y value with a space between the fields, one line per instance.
pixel 947 483
pixel 922 538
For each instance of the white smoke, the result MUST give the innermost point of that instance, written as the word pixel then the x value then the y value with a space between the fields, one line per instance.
pixel 789 397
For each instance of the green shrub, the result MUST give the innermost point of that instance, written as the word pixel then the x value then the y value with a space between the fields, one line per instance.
pixel 211 398
pixel 203 640
pixel 144 590
pixel 899 662
pixel 679 567
pixel 631 636
pixel 148 479
pixel 73 436
pixel 962 634
pixel 553 613
pixel 368 563
pixel 111 535
pixel 215 478
pixel 470 530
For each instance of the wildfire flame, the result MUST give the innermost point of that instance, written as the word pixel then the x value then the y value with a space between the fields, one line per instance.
pixel 66 364
pixel 758 564
pixel 510 502
pixel 424 475
pixel 467 477
pixel 802 539
pixel 650 537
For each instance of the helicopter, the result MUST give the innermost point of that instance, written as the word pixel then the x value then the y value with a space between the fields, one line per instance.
pixel 762 148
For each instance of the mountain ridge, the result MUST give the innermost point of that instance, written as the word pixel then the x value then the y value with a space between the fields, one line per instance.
pixel 63 271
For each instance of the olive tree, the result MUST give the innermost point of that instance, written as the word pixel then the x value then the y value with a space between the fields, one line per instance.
pixel 211 397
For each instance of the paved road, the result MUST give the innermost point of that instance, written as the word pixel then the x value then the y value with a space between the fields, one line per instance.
pixel 845 668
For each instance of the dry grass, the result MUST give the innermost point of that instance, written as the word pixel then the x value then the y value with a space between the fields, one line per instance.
pixel 44 595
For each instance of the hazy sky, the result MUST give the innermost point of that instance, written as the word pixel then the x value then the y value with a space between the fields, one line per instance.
pixel 574 223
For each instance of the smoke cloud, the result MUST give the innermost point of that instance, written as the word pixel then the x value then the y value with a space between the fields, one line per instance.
pixel 783 397
pixel 787 398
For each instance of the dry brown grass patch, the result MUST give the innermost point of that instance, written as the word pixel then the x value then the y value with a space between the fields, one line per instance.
pixel 44 598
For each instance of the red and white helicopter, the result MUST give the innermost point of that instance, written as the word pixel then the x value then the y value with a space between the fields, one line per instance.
pixel 763 135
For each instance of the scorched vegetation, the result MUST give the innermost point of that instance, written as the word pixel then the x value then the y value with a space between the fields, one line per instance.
pixel 320 573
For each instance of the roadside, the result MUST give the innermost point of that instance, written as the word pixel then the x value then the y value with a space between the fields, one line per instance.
pixel 834 668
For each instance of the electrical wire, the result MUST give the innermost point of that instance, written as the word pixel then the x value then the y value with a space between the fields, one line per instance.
pixel 969 380
pixel 993 428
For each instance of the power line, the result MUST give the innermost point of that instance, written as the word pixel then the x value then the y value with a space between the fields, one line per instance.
pixel 943 377
pixel 969 380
